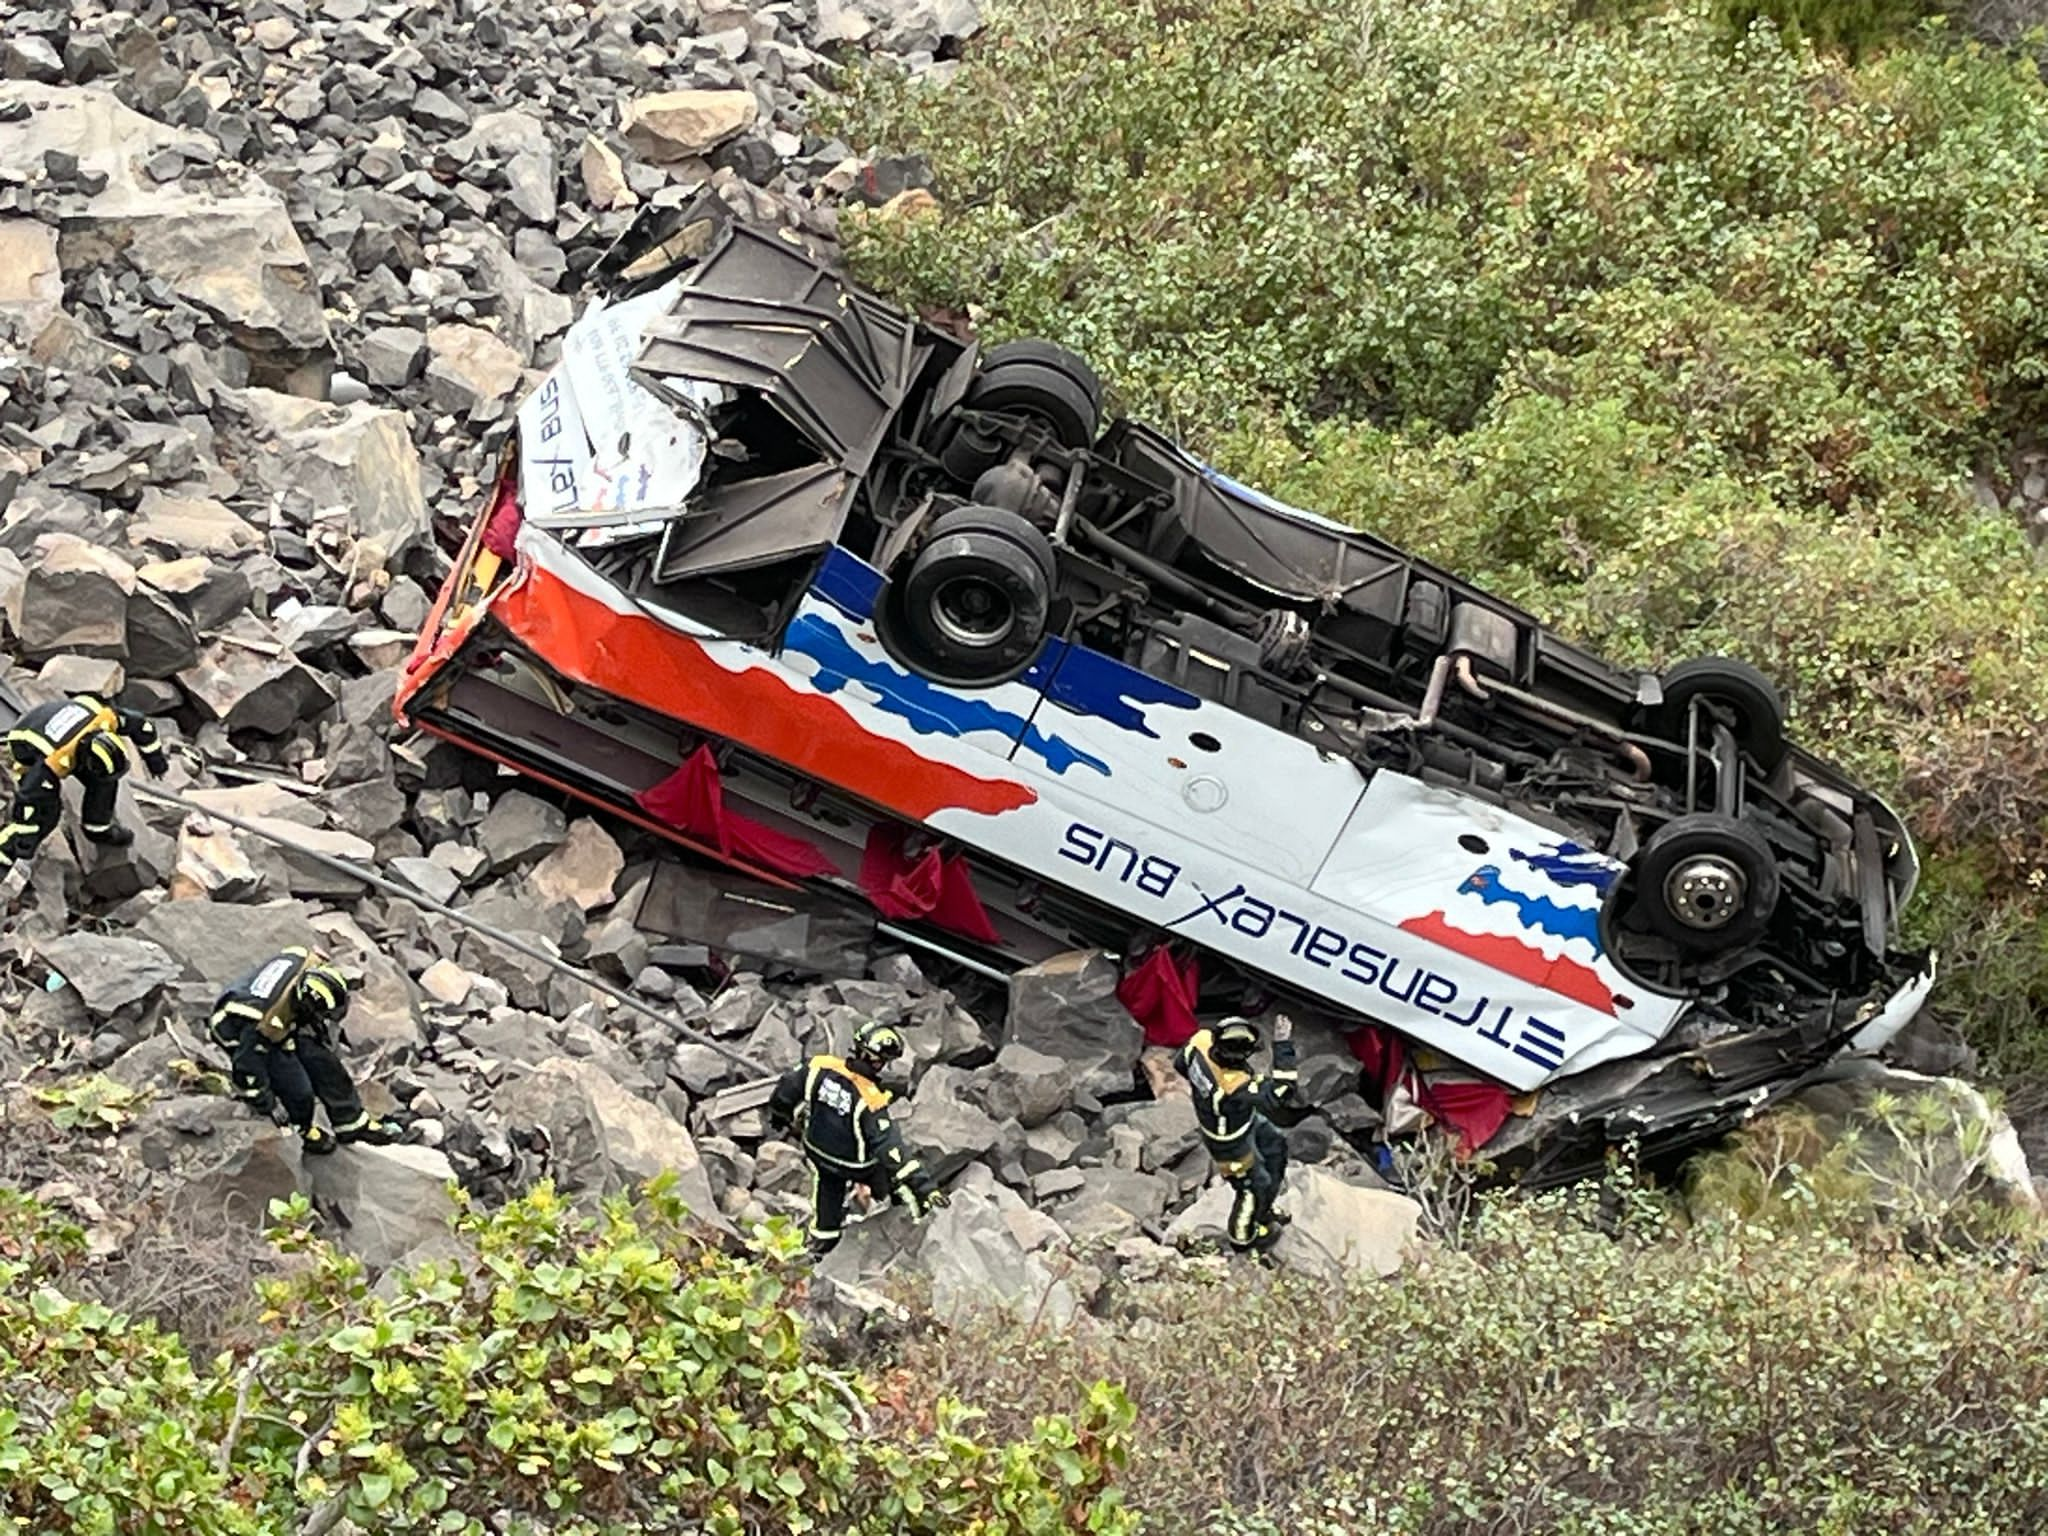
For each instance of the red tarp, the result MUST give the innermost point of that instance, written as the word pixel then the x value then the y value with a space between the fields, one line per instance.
pixel 692 800
pixel 935 886
pixel 1160 994
pixel 1474 1110
pixel 501 533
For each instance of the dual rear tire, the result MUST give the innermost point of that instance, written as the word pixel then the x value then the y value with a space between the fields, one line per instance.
pixel 976 603
pixel 973 606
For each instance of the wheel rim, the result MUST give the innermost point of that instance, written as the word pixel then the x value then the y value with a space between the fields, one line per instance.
pixel 973 611
pixel 1706 893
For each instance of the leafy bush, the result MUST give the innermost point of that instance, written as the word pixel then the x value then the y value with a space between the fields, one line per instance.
pixel 95 1103
pixel 578 1375
pixel 1899 1170
pixel 1688 344
pixel 1585 1363
pixel 1853 25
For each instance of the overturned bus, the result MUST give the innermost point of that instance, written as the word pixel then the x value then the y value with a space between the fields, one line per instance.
pixel 873 614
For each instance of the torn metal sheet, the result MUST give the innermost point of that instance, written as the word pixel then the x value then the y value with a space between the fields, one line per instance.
pixel 598 452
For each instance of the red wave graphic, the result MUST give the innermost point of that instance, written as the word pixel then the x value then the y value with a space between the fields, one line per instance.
pixel 1564 975
pixel 630 655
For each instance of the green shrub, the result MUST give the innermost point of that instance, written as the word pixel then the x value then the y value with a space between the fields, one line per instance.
pixel 1689 346
pixel 586 1376
pixel 1852 25
pixel 1585 1363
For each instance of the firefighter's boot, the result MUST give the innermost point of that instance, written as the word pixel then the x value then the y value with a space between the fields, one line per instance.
pixel 317 1142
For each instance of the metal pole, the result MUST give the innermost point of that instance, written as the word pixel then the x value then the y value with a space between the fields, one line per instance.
pixel 420 899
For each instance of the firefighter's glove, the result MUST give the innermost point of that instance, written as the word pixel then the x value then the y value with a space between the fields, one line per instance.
pixel 156 762
pixel 937 1200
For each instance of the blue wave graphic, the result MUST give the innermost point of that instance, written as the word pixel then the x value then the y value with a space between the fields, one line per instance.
pixel 848 583
pixel 928 708
pixel 1538 912
pixel 1090 683
pixel 1569 864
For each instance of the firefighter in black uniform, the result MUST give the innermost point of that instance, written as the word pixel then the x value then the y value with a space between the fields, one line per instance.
pixel 279 1023
pixel 1233 1103
pixel 51 742
pixel 847 1132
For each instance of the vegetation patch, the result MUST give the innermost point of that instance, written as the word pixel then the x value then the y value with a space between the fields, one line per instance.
pixel 583 1375
pixel 1593 1361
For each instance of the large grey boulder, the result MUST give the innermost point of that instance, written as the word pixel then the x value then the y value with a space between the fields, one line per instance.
pixel 529 313
pixel 227 1164
pixel 208 592
pixel 1021 1084
pixel 1170 1131
pixel 976 1262
pixel 384 1201
pixel 108 972
pixel 227 246
pixel 162 641
pixel 360 458
pixel 1206 1219
pixel 525 977
pixel 512 1036
pixel 700 1071
pixel 74 601
pixel 1066 1007
pixel 943 1125
pixel 248 691
pixel 1106 1204
pixel 1342 1230
pixel 190 525
pixel 217 943
pixel 604 1139
pixel 518 827
pixel 526 157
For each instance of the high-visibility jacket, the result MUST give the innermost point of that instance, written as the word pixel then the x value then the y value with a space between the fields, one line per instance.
pixel 1228 1100
pixel 846 1124
pixel 45 744
pixel 291 991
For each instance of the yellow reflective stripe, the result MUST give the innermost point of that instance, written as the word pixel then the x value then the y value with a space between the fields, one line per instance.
pixel 321 983
pixel 355 1122
pixel 1241 1217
